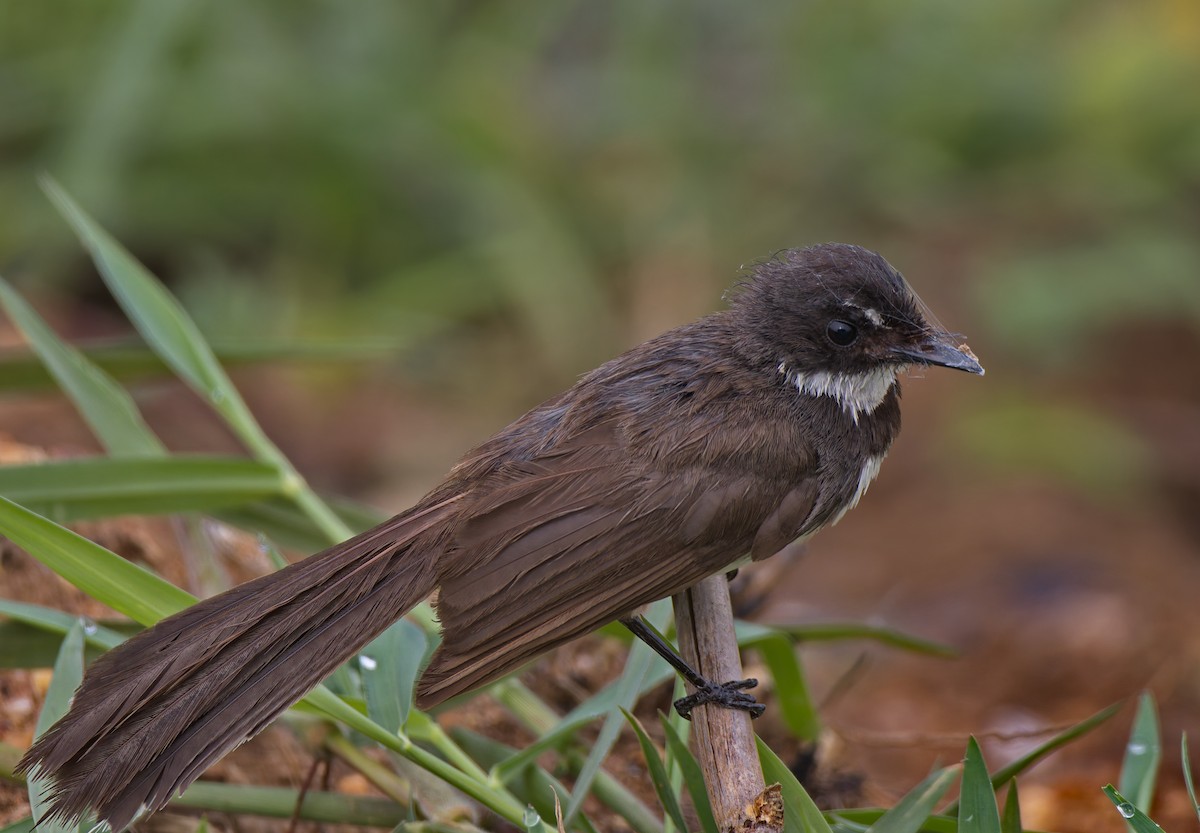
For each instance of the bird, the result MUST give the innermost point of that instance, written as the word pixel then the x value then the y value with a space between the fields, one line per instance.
pixel 737 435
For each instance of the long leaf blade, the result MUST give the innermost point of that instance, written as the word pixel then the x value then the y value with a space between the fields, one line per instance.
pixel 910 812
pixel 791 688
pixel 109 411
pixel 1139 769
pixel 1007 773
pixel 638 665
pixel 156 315
pixel 658 773
pixel 103 575
pixel 56 622
pixel 800 814
pixel 102 487
pixel 68 674
pixel 977 812
pixel 693 776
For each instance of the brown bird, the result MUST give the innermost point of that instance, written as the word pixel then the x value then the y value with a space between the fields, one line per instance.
pixel 736 435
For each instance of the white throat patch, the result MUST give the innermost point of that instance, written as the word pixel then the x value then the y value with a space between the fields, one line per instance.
pixel 857 393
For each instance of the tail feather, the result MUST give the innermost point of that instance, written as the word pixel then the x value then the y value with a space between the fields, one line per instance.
pixel 153 713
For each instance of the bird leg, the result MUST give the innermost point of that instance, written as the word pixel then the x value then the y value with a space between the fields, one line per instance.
pixel 731 695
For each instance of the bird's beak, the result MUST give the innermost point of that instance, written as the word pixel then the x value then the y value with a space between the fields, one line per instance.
pixel 938 348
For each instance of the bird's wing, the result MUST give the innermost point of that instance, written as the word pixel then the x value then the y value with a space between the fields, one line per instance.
pixel 574 538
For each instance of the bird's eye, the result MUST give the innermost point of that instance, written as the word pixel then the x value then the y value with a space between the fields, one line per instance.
pixel 841 333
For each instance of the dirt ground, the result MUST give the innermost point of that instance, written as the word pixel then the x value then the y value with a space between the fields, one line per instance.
pixel 1058 604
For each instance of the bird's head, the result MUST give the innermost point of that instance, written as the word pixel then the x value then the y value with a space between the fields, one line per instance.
pixel 842 322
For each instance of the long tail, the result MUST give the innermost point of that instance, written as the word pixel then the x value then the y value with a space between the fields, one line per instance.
pixel 153 713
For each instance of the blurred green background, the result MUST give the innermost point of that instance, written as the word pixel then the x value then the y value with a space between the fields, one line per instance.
pixel 504 194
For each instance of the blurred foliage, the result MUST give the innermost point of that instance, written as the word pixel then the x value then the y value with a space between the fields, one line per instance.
pixel 573 177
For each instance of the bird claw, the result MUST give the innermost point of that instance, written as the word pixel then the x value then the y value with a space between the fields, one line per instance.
pixel 731 695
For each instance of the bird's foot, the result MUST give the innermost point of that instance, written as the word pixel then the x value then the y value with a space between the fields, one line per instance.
pixel 731 695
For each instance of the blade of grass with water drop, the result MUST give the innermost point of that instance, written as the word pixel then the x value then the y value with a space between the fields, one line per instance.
pixel 1137 820
pixel 389 666
pixel 56 622
pixel 1143 753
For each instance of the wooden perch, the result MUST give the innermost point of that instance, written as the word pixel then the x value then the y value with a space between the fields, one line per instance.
pixel 723 739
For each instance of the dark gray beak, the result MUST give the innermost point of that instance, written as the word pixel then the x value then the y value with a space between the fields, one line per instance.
pixel 937 348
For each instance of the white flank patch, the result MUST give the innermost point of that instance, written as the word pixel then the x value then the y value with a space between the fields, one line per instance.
pixel 857 393
pixel 869 470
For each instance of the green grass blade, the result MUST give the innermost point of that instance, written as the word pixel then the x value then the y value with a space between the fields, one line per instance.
pixel 21 371
pixel 791 688
pixel 172 334
pixel 68 674
pixel 1187 773
pixel 750 634
pixel 911 812
pixel 693 776
pixel 280 802
pixel 146 598
pixel 1010 822
pixel 24 825
pixel 800 814
pixel 160 319
pixel 70 490
pixel 533 784
pixel 389 666
pixel 658 774
pixel 56 622
pixel 1143 753
pixel 108 410
pixel 1007 773
pixel 282 521
pixel 1137 820
pixel 103 575
pixel 638 664
pixel 25 646
pixel 858 820
pixel 977 811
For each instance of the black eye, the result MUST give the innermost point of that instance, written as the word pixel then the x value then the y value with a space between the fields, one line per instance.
pixel 841 333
